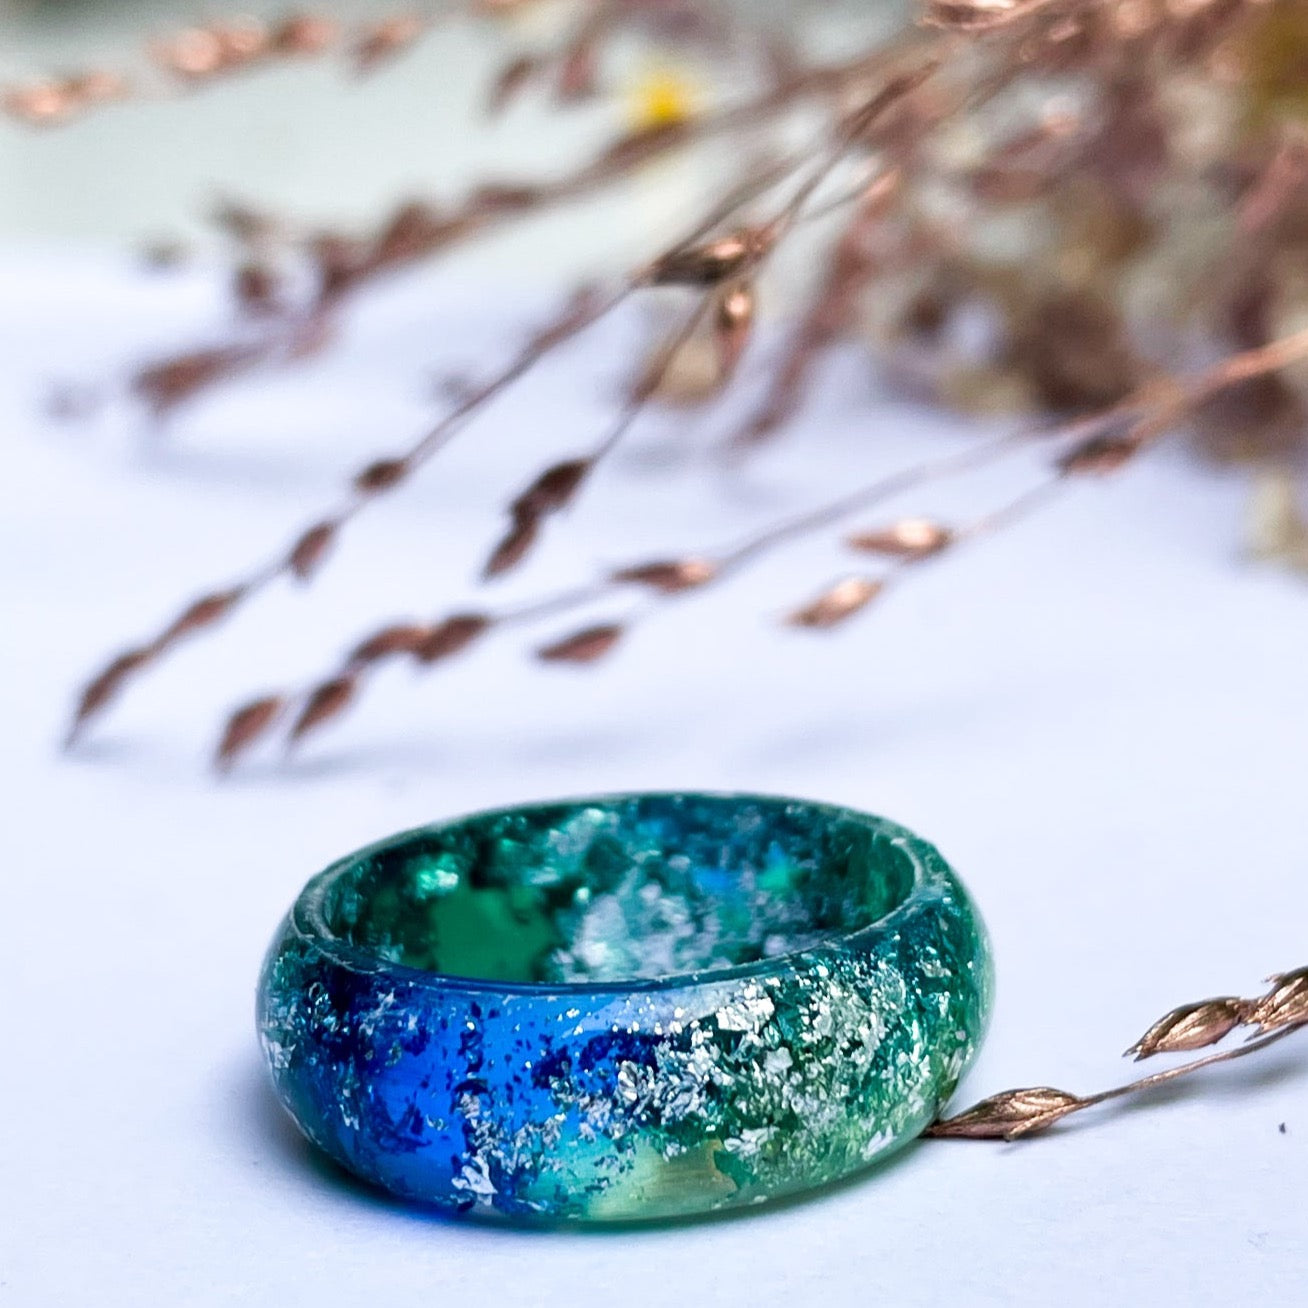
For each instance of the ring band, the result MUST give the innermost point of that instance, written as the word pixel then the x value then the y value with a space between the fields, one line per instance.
pixel 636 1006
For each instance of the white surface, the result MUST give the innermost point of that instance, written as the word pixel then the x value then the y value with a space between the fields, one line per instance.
pixel 1099 717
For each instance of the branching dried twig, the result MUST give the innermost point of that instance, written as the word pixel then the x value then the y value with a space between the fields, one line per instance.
pixel 1061 337
pixel 420 230
pixel 665 578
pixel 1092 446
pixel 204 55
pixel 309 550
pixel 555 487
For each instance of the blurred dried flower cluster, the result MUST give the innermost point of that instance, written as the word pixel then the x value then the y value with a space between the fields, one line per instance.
pixel 1094 211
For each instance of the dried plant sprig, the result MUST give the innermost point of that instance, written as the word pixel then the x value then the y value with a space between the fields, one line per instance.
pixel 734 257
pixel 909 538
pixel 1014 1114
pixel 1135 422
pixel 212 52
pixel 1285 1004
pixel 100 691
pixel 849 596
pixel 197 56
pixel 584 646
pixel 1069 339
pixel 309 550
pixel 420 230
pixel 1157 408
pixel 1105 444
pixel 737 256
pixel 831 312
pixel 837 602
pixel 424 644
pixel 664 578
pixel 1192 1026
pixel 1009 1115
pixel 556 486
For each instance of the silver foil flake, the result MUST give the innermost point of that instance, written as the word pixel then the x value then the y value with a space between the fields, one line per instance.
pixel 685 1077
pixel 474 1181
pixel 747 1013
pixel 749 1142
pixel 278 1054
pixel 635 1085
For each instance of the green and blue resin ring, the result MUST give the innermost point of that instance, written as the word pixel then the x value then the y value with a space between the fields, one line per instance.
pixel 637 1006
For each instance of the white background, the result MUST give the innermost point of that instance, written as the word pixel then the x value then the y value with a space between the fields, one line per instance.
pixel 1099 717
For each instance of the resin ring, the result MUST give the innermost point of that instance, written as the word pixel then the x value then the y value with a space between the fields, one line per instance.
pixel 638 1006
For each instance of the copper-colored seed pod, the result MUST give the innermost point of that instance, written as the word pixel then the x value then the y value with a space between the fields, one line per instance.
pixel 514 546
pixel 709 264
pixel 326 701
pixel 399 638
pixel 1285 1004
pixel 387 38
pixel 97 86
pixel 913 538
pixel 1099 454
pixel 381 475
pixel 245 726
pixel 1009 1115
pixel 733 323
pixel 585 646
pixel 240 42
pixel 1191 1026
pixel 553 489
pixel 452 636
pixel 304 34
pixel 40 104
pixel 669 577
pixel 842 601
pixel 195 53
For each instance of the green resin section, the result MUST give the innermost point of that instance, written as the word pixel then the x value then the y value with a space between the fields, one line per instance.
pixel 624 1008
pixel 569 893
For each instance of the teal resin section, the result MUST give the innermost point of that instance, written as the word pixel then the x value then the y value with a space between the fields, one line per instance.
pixel 625 1008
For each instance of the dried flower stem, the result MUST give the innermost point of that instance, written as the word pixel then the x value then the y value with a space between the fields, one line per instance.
pixel 1014 1114
pixel 1164 404
pixel 843 598
pixel 310 548
pixel 203 56
pixel 418 231
pixel 666 579
pixel 184 61
pixel 727 265
pixel 736 257
pixel 1067 342
pixel 1147 414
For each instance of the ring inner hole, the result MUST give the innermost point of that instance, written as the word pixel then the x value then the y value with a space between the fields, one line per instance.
pixel 631 889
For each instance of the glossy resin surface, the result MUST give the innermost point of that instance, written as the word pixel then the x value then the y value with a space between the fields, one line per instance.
pixel 630 1007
